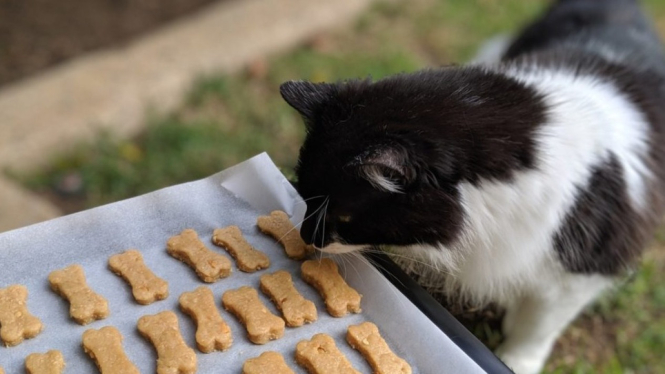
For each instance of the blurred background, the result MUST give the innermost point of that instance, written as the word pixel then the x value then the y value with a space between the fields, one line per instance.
pixel 102 100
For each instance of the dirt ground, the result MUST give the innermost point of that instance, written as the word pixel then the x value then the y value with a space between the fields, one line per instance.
pixel 35 34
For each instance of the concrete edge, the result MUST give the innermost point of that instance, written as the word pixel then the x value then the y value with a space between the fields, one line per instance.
pixel 112 88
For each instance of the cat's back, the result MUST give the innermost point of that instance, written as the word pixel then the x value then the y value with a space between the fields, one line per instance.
pixel 618 30
pixel 610 38
pixel 606 42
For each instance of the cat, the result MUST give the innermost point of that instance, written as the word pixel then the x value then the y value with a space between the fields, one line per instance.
pixel 533 181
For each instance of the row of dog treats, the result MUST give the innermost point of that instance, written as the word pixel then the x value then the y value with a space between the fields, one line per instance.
pixel 319 355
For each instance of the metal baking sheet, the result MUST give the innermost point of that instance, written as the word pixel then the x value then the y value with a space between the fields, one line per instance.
pixel 236 196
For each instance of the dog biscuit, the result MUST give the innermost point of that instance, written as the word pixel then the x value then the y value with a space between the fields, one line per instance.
pixel 324 276
pixel 295 308
pixel 268 362
pixel 146 286
pixel 367 340
pixel 16 323
pixel 247 257
pixel 50 362
pixel 212 333
pixel 278 225
pixel 2 371
pixel 173 354
pixel 262 326
pixel 104 346
pixel 320 355
pixel 85 305
pixel 209 266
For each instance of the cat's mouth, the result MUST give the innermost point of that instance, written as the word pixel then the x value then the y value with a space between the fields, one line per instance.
pixel 335 244
pixel 339 248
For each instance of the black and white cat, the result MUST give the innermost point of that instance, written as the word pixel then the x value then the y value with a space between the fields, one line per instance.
pixel 534 181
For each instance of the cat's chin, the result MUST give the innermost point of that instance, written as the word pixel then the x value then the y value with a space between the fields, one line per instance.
pixel 338 248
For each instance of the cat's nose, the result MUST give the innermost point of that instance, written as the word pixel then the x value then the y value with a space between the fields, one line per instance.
pixel 307 231
pixel 319 237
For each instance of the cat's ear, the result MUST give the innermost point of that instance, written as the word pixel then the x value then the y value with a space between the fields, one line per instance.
pixel 306 97
pixel 386 168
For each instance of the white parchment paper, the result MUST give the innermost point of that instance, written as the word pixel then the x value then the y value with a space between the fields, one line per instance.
pixel 234 196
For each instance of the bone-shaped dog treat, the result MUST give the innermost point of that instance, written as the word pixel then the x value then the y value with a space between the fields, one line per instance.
pixel 209 266
pixel 173 354
pixel 278 225
pixel 16 323
pixel 366 338
pixel 324 276
pixel 268 362
pixel 85 305
pixel 247 257
pixel 212 333
pixel 262 326
pixel 104 346
pixel 296 309
pixel 146 286
pixel 320 355
pixel 50 362
pixel 2 371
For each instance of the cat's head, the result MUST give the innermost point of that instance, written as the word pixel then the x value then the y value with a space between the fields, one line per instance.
pixel 382 161
pixel 368 175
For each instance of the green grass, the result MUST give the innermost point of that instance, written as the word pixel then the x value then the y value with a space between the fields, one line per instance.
pixel 625 331
pixel 228 118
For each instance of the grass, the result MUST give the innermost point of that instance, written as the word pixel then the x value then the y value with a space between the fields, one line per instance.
pixel 228 118
pixel 624 332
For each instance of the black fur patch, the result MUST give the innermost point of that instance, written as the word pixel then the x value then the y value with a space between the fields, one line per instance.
pixel 602 234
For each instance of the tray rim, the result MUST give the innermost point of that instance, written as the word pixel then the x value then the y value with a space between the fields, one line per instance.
pixel 439 315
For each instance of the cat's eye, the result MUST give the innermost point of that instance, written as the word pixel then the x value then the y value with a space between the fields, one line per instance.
pixel 344 219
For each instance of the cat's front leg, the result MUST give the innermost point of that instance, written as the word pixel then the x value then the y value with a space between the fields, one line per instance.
pixel 534 322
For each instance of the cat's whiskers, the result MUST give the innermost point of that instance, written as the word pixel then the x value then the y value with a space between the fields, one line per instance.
pixel 345 256
pixel 370 262
pixel 359 257
pixel 343 262
pixel 325 215
pixel 435 265
pixel 410 258
pixel 300 223
pixel 318 222
pixel 324 227
pixel 308 199
pixel 318 219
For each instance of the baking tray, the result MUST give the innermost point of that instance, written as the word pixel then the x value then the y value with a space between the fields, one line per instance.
pixel 235 196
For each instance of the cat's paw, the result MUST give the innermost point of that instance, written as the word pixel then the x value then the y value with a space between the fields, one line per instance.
pixel 520 361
